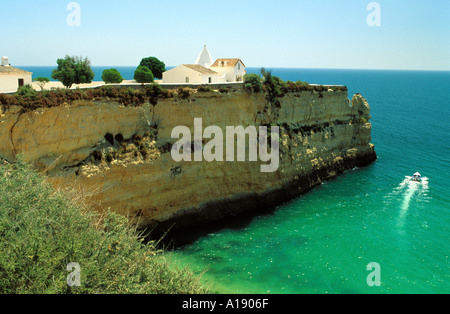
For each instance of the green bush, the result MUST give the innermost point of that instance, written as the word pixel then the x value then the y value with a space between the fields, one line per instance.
pixel 274 87
pixel 224 90
pixel 112 76
pixel 252 83
pixel 130 97
pixel 43 230
pixel 143 75
pixel 26 91
pixel 297 86
pixel 155 65
pixel 204 89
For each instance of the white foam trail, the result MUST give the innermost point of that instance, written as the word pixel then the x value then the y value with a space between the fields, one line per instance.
pixel 392 196
pixel 412 188
pixel 402 185
pixel 424 187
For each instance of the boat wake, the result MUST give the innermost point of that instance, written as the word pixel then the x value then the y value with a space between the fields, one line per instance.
pixel 412 188
pixel 408 190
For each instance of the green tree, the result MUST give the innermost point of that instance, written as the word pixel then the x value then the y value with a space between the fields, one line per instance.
pixel 112 76
pixel 155 65
pixel 274 86
pixel 73 70
pixel 252 83
pixel 143 75
pixel 41 81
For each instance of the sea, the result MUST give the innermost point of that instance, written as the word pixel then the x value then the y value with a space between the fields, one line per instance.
pixel 370 230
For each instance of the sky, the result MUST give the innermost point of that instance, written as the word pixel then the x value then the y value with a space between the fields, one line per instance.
pixel 407 35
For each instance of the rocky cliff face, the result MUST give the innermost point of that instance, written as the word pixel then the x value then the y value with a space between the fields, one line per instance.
pixel 120 156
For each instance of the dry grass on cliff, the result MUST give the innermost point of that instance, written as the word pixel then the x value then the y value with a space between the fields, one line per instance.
pixel 42 231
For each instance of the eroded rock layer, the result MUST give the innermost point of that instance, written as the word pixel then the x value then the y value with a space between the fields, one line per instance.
pixel 119 157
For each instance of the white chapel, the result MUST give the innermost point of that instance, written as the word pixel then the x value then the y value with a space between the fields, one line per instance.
pixel 207 71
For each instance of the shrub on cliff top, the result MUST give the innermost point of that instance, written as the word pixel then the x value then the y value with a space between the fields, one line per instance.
pixel 154 92
pixel 26 91
pixel 155 65
pixel 143 75
pixel 274 86
pixel 43 230
pixel 252 83
pixel 204 89
pixel 184 93
pixel 296 86
pixel 112 76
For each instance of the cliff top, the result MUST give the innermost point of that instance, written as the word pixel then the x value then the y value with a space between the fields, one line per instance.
pixel 30 100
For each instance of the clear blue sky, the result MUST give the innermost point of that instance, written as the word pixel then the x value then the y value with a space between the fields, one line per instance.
pixel 413 34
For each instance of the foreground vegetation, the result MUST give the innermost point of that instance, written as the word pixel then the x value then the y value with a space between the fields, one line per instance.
pixel 43 230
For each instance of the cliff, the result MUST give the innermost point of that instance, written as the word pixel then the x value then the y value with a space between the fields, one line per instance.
pixel 119 156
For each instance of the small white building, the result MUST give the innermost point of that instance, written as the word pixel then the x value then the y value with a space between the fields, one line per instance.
pixel 12 78
pixel 205 71
pixel 233 69
pixel 191 74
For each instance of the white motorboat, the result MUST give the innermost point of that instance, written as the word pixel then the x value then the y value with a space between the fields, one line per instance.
pixel 416 177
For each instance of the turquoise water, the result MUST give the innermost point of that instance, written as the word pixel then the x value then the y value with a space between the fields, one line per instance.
pixel 322 241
